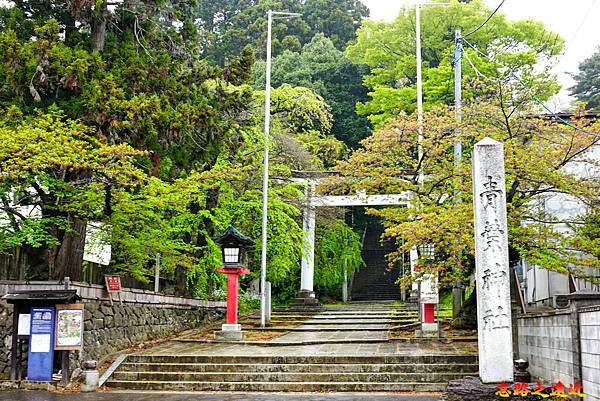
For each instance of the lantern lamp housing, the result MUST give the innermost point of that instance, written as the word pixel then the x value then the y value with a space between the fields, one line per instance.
pixel 233 245
pixel 427 252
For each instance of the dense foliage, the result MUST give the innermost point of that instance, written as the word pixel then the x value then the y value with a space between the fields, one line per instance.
pixel 338 250
pixel 540 156
pixel 111 117
pixel 145 118
pixel 587 82
pixel 525 48
pixel 227 26
pixel 327 71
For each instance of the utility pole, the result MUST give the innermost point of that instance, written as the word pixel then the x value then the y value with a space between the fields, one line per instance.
pixel 457 98
pixel 457 62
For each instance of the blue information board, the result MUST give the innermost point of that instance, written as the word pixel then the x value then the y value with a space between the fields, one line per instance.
pixel 40 361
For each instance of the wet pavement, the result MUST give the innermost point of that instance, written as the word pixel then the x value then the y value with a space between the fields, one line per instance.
pixel 169 396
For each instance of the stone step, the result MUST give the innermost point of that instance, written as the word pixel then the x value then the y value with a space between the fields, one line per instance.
pixel 357 321
pixel 338 315
pixel 307 359
pixel 299 368
pixel 317 328
pixel 370 377
pixel 245 386
pixel 285 322
pixel 343 315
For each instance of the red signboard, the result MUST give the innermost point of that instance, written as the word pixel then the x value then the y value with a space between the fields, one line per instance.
pixel 113 282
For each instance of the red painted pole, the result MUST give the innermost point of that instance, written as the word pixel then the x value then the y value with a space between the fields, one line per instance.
pixel 232 298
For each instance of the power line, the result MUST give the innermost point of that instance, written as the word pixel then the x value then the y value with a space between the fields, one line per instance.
pixel 486 20
pixel 556 116
pixel 530 91
pixel 477 72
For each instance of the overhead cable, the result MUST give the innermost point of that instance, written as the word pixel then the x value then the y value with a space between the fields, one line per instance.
pixel 530 91
pixel 486 20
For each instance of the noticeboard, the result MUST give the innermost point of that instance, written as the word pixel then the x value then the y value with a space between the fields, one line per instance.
pixel 68 334
pixel 113 282
pixel 24 324
pixel 40 359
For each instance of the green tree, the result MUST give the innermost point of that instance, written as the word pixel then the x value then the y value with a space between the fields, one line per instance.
pixel 587 238
pixel 54 176
pixel 587 82
pixel 144 85
pixel 301 123
pixel 227 26
pixel 538 156
pixel 526 48
pixel 337 250
pixel 130 75
pixel 327 71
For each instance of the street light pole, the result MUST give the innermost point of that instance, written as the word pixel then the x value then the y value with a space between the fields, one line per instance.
pixel 419 91
pixel 263 261
pixel 420 82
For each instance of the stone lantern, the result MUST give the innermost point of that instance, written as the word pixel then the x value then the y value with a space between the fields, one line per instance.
pixel 233 246
pixel 428 295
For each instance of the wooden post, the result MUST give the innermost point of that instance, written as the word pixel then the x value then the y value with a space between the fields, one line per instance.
pixel 15 341
pixel 65 367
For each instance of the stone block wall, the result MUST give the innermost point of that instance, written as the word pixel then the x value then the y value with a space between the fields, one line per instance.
pixel 110 328
pixel 589 321
pixel 6 325
pixel 546 341
pixel 143 316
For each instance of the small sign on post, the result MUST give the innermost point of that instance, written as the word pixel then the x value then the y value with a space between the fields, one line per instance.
pixel 113 284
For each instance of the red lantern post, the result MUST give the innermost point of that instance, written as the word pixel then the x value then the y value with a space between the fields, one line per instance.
pixel 232 291
pixel 232 243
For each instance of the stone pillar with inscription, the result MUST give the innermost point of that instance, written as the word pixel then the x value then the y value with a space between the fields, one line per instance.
pixel 491 263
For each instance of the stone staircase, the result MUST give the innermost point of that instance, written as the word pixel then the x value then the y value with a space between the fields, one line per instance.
pixel 374 281
pixel 341 349
pixel 397 373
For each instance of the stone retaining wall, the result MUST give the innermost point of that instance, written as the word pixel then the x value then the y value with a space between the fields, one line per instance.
pixel 546 341
pixel 142 316
pixel 564 345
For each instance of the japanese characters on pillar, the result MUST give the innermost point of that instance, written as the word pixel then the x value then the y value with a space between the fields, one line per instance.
pixel 491 263
pixel 233 244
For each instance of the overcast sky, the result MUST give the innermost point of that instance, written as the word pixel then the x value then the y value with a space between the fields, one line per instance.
pixel 577 21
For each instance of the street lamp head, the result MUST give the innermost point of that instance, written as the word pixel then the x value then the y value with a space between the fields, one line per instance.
pixel 284 15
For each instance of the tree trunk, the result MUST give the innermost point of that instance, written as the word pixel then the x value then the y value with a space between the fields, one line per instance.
pixel 67 259
pixel 99 27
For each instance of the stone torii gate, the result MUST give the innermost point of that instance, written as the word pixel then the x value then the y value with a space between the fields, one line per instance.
pixel 306 295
